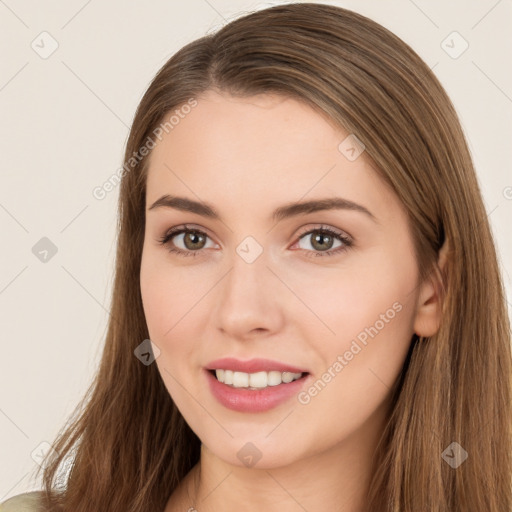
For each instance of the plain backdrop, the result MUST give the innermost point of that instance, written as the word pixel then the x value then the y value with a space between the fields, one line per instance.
pixel 65 117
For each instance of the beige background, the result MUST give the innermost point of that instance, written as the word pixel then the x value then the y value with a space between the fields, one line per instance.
pixel 64 121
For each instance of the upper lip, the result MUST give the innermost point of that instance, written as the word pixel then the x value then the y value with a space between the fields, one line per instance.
pixel 252 365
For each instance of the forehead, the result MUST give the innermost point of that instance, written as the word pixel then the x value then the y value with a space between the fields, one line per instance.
pixel 265 121
pixel 258 151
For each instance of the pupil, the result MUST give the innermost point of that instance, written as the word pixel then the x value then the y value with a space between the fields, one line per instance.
pixel 317 240
pixel 194 238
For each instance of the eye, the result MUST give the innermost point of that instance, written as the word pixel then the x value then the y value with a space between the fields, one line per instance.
pixel 323 241
pixel 192 238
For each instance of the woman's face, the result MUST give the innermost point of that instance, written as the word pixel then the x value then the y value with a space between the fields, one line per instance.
pixel 337 308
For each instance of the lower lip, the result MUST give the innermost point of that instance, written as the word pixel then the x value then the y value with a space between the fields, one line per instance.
pixel 257 400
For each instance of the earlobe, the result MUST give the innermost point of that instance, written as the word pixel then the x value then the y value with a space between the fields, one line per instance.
pixel 429 305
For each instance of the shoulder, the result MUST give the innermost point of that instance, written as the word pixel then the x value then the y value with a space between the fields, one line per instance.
pixel 26 502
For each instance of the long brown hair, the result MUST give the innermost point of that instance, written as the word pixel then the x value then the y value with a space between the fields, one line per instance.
pixel 127 447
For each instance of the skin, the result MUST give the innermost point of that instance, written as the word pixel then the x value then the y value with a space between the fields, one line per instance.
pixel 247 156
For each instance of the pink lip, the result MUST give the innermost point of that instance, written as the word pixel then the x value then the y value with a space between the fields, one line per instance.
pixel 252 366
pixel 247 400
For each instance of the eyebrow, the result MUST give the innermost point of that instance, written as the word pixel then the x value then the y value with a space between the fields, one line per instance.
pixel 286 211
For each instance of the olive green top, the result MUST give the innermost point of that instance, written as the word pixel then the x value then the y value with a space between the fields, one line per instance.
pixel 26 502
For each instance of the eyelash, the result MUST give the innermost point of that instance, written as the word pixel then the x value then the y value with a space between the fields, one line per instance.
pixel 322 229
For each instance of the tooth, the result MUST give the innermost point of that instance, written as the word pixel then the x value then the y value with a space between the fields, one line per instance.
pixel 287 377
pixel 258 380
pixel 274 378
pixel 240 379
pixel 228 377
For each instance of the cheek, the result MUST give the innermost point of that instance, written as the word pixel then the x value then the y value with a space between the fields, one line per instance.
pixel 171 299
pixel 367 315
pixel 370 309
pixel 168 293
pixel 166 302
pixel 352 297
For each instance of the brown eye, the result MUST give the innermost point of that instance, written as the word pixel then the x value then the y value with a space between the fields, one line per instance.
pixel 194 240
pixel 185 241
pixel 322 242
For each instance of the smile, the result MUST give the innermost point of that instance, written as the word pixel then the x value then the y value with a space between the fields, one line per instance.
pixel 253 381
pixel 256 385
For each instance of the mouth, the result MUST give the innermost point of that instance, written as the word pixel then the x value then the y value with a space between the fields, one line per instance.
pixel 257 380
pixel 254 385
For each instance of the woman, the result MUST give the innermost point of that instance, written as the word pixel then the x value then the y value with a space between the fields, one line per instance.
pixel 308 312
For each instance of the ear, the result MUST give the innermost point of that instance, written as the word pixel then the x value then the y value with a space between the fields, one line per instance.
pixel 429 305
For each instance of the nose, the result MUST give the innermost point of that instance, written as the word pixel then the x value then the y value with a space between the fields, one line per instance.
pixel 250 300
